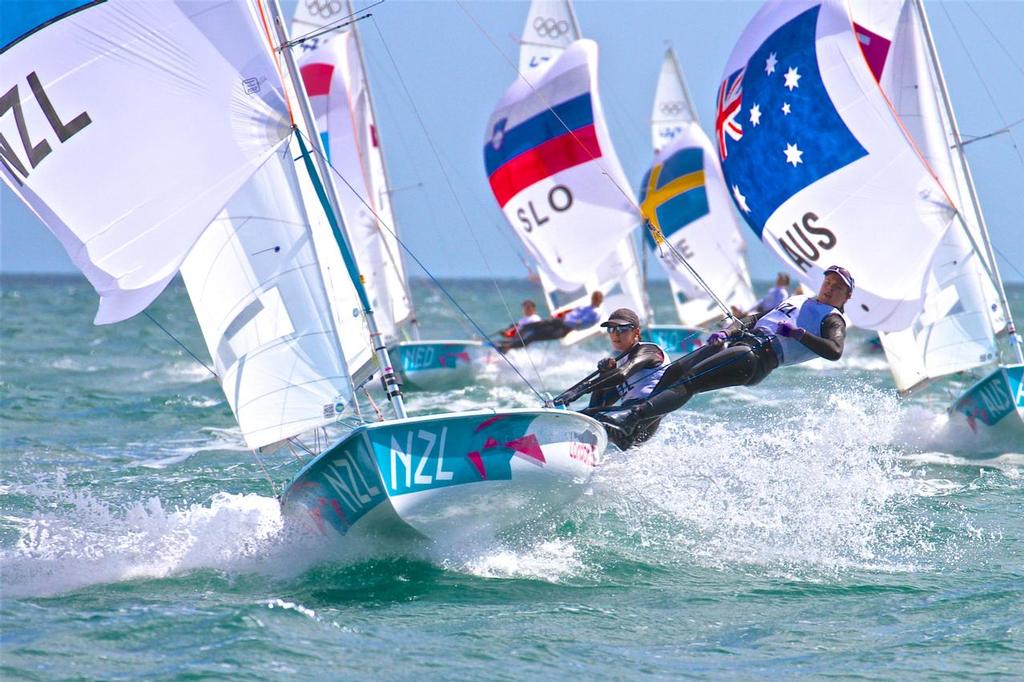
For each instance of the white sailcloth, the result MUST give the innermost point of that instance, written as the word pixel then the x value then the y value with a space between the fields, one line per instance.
pixel 685 197
pixel 336 83
pixel 819 165
pixel 550 28
pixel 128 125
pixel 256 286
pixel 956 328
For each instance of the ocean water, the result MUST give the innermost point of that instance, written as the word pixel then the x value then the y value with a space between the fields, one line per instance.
pixel 813 526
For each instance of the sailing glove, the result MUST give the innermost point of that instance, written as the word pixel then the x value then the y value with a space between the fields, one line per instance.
pixel 717 338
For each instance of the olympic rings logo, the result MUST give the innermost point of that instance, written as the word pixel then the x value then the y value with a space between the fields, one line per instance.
pixel 672 108
pixel 324 9
pixel 547 27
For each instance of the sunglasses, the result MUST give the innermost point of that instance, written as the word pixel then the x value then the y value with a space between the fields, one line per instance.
pixel 621 328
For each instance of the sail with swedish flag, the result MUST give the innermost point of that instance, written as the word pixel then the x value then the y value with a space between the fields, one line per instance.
pixel 685 202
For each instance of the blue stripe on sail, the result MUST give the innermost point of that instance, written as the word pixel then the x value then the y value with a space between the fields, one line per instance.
pixel 547 125
pixel 21 19
pixel 680 211
pixel 683 162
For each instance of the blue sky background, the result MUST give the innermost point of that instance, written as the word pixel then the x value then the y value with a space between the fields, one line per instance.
pixel 455 75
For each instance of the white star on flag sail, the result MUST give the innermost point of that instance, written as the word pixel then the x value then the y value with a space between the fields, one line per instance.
pixel 769 65
pixel 785 108
pixel 793 154
pixel 791 79
pixel 740 199
pixel 755 114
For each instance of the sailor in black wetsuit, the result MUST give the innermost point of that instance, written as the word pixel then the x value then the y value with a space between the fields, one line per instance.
pixel 799 329
pixel 628 381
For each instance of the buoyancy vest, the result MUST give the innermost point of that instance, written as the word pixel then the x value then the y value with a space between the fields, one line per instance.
pixel 641 382
pixel 799 311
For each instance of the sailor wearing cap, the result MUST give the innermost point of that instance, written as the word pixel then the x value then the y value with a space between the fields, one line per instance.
pixel 797 330
pixel 627 380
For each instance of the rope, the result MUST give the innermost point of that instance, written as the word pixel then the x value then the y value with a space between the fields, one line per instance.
pixel 462 210
pixel 186 348
pixel 429 274
pixel 346 20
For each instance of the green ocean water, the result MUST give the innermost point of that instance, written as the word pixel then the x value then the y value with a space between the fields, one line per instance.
pixel 813 526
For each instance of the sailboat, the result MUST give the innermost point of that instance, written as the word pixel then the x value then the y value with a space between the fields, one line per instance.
pixel 333 70
pixel 862 164
pixel 685 202
pixel 236 174
pixel 555 175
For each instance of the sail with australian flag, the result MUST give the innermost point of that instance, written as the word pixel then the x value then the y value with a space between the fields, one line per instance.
pixel 819 165
pixel 555 175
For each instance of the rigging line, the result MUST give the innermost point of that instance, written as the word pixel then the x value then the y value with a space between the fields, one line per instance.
pixel 263 467
pixel 177 341
pixel 995 38
pixel 429 274
pixel 458 203
pixel 604 170
pixel 977 72
pixel 344 21
pixel 1008 261
pixel 1001 131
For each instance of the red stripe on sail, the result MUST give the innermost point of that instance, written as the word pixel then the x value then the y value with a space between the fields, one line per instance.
pixel 544 160
pixel 317 78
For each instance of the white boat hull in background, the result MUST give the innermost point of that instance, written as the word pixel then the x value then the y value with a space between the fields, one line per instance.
pixel 449 477
pixel 439 365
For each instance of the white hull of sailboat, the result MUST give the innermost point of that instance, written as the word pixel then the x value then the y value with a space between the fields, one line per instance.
pixel 995 404
pixel 449 477
pixel 439 365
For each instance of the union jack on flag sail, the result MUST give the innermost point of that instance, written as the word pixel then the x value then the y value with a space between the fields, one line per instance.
pixel 730 99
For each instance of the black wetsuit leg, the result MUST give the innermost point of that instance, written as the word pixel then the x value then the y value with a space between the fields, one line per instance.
pixel 739 364
pixel 545 330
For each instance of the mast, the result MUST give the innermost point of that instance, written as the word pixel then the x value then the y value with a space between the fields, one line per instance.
pixel 993 270
pixel 391 386
pixel 414 321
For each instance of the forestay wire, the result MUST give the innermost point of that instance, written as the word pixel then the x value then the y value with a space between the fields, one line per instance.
pixel 658 236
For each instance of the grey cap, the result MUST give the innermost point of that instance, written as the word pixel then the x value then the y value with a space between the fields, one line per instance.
pixel 622 316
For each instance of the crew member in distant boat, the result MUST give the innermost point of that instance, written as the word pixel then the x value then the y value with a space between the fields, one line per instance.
pixel 555 327
pixel 799 329
pixel 529 317
pixel 776 295
pixel 627 380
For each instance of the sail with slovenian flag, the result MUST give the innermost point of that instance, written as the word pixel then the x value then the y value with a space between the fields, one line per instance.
pixel 553 170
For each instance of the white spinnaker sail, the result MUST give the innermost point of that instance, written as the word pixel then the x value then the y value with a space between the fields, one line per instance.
pixel 956 328
pixel 550 28
pixel 336 83
pixel 820 167
pixel 685 193
pixel 555 174
pixel 255 283
pixel 128 125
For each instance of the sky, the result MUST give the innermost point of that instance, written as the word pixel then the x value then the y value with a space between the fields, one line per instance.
pixel 436 75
